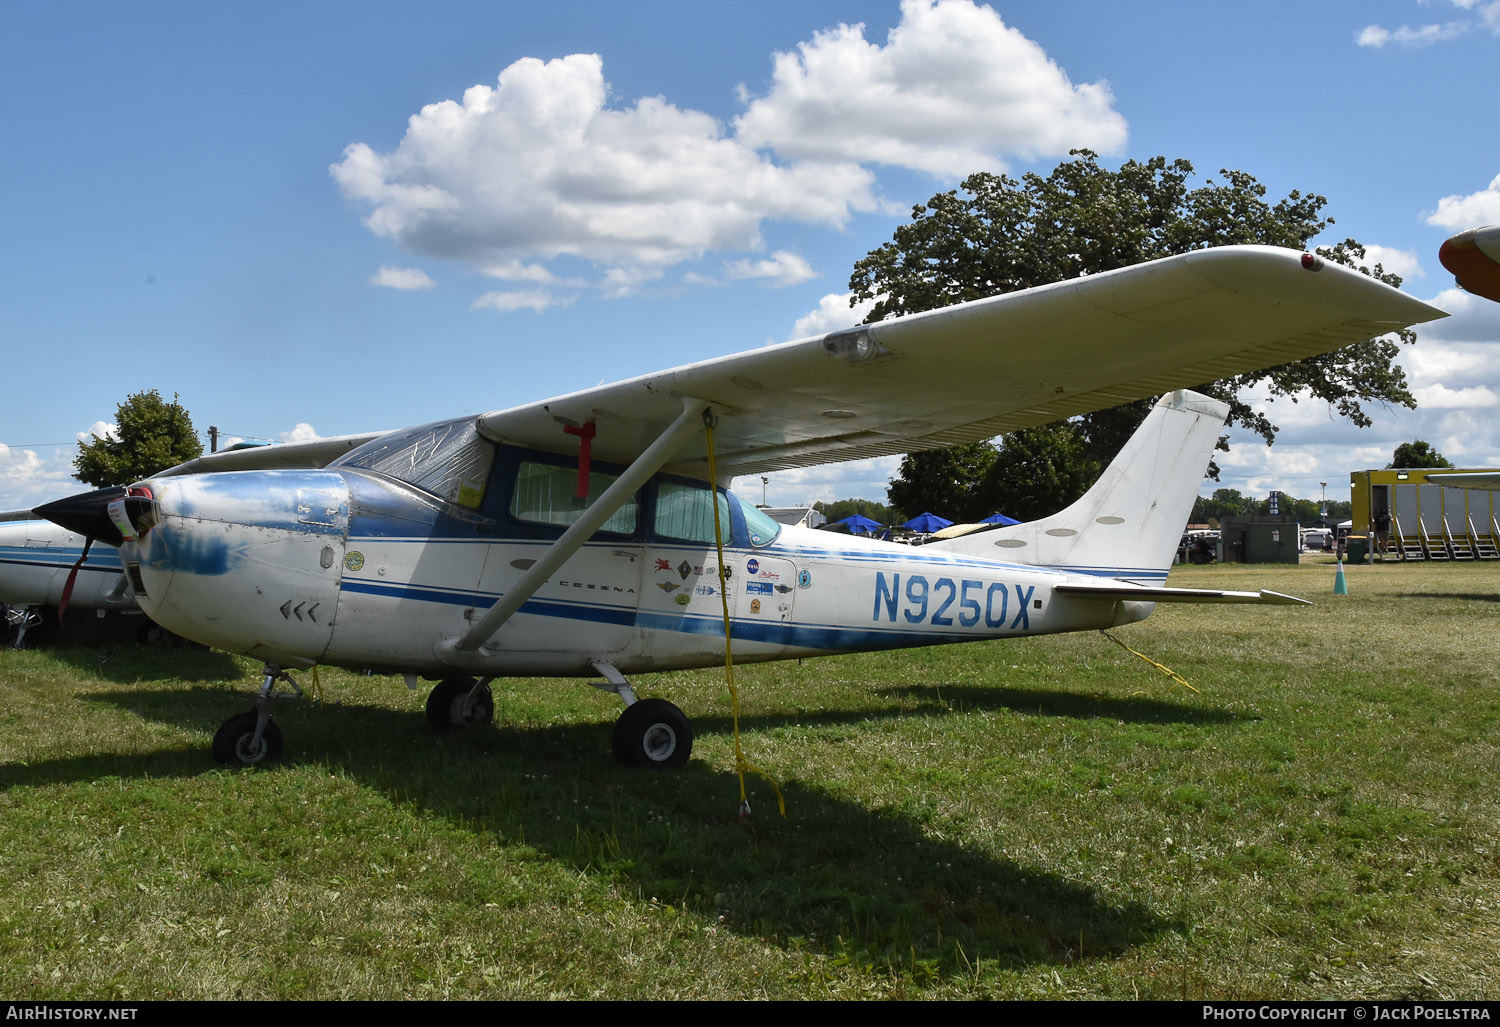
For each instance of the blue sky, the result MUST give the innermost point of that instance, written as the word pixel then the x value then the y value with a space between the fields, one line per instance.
pixel 329 218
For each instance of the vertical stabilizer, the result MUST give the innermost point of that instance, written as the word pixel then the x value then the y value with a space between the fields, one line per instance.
pixel 1130 523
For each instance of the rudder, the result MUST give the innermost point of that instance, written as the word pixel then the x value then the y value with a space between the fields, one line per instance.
pixel 1129 524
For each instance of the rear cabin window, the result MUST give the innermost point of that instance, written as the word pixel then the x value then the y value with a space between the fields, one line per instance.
pixel 686 512
pixel 548 494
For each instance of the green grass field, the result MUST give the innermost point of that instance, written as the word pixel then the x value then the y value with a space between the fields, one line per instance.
pixel 1049 817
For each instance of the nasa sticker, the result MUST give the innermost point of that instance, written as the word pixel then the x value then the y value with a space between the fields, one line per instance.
pixel 804 579
pixel 753 566
pixel 355 560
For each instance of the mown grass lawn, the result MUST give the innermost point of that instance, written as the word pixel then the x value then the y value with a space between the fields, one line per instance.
pixel 1049 817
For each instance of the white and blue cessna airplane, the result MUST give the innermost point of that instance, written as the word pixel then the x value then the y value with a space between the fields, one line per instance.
pixel 575 537
pixel 36 560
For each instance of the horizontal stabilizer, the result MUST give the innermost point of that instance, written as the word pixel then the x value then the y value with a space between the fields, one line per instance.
pixel 1143 594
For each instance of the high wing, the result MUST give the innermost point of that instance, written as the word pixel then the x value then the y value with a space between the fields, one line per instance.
pixel 1486 480
pixel 319 453
pixel 975 370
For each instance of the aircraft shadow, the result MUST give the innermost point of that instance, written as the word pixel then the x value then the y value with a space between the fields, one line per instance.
pixel 1030 701
pixel 131 663
pixel 1485 597
pixel 834 877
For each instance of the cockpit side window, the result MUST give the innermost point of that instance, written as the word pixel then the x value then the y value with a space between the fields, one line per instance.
pixel 448 459
pixel 685 512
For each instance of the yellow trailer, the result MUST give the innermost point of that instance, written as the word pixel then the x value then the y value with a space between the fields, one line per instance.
pixel 1411 518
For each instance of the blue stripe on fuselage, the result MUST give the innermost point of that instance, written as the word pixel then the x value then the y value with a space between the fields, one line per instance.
pixel 828 638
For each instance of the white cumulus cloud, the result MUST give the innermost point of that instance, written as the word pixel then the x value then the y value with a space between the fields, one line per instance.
pixel 1472 318
pixel 954 90
pixel 1402 262
pixel 545 164
pixel 536 300
pixel 781 268
pixel 100 430
pixel 404 278
pixel 1441 397
pixel 540 165
pixel 833 313
pixel 303 432
pixel 1475 210
pixel 1376 37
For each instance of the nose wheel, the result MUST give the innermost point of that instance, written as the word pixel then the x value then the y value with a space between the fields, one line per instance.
pixel 252 737
pixel 238 742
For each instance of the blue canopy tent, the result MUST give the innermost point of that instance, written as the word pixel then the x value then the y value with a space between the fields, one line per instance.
pixel 858 524
pixel 999 519
pixel 928 522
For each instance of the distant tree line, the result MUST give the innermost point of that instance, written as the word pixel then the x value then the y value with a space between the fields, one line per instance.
pixel 1211 510
pixel 839 509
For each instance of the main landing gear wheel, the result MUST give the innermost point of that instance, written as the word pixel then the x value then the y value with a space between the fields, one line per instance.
pixel 652 733
pixel 235 741
pixel 449 704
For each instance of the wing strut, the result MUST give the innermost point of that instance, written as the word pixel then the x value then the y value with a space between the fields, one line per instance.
pixel 462 651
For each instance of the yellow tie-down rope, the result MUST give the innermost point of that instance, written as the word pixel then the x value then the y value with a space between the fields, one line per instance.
pixel 1168 671
pixel 741 764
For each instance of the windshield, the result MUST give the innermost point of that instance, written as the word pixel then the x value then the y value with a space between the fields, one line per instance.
pixel 447 459
pixel 763 530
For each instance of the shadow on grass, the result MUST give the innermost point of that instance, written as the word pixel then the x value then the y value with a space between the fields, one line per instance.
pixel 129 664
pixel 1034 702
pixel 836 878
pixel 1476 597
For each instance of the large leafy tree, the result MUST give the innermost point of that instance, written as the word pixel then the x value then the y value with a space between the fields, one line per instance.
pixel 943 481
pixel 152 435
pixel 998 234
pixel 1418 454
pixel 1038 471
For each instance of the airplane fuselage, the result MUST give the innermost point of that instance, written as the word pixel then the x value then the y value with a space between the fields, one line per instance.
pixel 349 568
pixel 36 557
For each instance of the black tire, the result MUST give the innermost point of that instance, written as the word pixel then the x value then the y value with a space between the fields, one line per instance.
pixel 155 634
pixel 445 705
pixel 652 733
pixel 232 741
